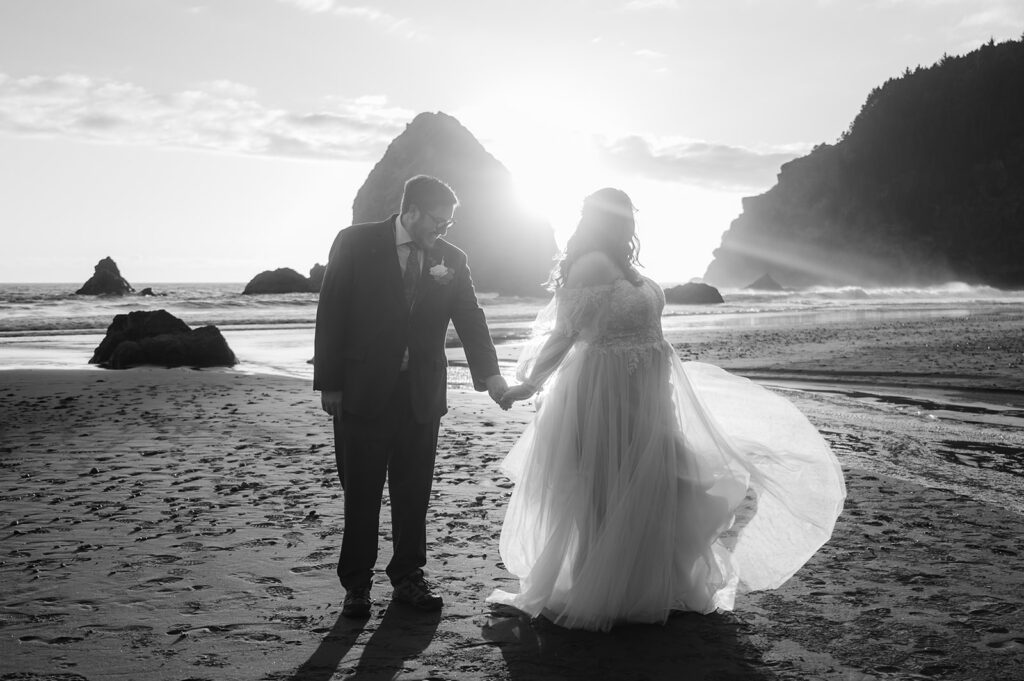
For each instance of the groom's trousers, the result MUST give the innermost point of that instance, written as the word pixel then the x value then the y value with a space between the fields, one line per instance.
pixel 394 447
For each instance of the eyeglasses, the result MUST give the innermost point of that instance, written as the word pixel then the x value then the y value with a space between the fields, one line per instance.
pixel 441 225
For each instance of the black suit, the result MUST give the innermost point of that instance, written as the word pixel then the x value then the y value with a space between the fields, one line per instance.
pixel 391 417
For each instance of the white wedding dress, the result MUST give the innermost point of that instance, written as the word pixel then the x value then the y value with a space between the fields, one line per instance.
pixel 646 485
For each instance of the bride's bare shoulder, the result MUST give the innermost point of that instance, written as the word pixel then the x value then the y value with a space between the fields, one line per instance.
pixel 593 269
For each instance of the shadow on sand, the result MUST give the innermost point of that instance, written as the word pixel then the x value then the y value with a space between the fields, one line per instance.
pixel 689 646
pixel 401 636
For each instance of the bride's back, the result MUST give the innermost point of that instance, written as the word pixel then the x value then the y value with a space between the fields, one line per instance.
pixel 618 312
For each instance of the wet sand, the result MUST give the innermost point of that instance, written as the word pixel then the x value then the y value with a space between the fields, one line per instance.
pixel 179 524
pixel 975 347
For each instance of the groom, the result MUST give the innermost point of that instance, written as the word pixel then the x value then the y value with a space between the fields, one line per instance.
pixel 388 294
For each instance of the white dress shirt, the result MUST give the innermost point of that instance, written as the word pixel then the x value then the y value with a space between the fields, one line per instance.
pixel 403 244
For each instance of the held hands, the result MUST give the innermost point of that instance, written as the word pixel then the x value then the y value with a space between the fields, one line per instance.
pixel 516 393
pixel 496 387
pixel 504 396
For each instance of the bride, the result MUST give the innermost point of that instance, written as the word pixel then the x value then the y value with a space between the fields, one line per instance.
pixel 644 484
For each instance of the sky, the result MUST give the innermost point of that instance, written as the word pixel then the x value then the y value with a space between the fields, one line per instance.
pixel 208 140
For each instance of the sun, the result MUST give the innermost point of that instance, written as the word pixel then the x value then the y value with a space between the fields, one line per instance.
pixel 553 166
pixel 555 162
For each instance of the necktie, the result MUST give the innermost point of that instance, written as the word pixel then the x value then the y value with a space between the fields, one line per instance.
pixel 412 273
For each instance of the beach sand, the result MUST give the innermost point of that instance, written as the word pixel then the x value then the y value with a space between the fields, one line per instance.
pixel 180 524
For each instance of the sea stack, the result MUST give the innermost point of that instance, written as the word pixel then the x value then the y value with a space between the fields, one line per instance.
pixel 105 281
pixel 510 252
pixel 316 277
pixel 765 283
pixel 281 280
pixel 693 293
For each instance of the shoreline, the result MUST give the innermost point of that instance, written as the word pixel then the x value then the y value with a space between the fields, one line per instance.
pixel 166 524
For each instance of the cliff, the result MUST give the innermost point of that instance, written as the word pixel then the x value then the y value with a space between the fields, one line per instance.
pixel 509 252
pixel 926 186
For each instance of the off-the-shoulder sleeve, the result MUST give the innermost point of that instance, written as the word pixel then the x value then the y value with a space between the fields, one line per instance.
pixel 571 313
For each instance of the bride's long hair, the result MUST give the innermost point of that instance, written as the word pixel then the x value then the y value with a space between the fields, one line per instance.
pixel 606 224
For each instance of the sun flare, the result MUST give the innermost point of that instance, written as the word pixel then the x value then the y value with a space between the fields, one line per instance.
pixel 553 167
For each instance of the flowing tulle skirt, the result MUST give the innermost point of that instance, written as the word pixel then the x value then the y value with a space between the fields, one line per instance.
pixel 645 485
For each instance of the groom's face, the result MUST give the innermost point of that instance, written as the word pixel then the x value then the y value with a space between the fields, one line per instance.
pixel 428 225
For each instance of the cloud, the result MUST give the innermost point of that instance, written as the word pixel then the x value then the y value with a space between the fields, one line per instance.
pixel 311 5
pixel 649 54
pixel 402 26
pixel 707 164
pixel 228 88
pixel 217 116
pixel 1001 17
pixel 998 17
pixel 644 5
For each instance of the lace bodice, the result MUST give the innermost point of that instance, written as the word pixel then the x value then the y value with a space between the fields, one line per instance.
pixel 620 317
pixel 632 317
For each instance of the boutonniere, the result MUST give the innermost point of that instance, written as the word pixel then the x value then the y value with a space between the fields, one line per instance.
pixel 442 274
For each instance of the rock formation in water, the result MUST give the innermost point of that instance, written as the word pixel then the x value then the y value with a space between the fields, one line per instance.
pixel 157 337
pixel 286 280
pixel 316 277
pixel 693 293
pixel 105 281
pixel 509 251
pixel 281 280
pixel 926 187
pixel 765 283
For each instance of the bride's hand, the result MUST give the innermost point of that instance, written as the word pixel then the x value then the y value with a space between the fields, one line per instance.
pixel 516 393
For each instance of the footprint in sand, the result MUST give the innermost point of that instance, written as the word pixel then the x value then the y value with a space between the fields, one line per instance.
pixel 257 579
pixel 1014 642
pixel 281 592
pixel 159 581
pixel 58 641
pixel 310 568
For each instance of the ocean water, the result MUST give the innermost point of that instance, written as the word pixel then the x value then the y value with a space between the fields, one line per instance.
pixel 48 326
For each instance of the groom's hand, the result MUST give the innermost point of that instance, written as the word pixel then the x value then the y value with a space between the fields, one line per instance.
pixel 516 393
pixel 330 400
pixel 496 387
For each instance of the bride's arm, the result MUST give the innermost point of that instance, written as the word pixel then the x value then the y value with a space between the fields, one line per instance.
pixel 577 308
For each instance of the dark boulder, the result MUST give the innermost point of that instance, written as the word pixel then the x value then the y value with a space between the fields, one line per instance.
pixel 316 277
pixel 105 281
pixel 281 280
pixel 765 283
pixel 135 326
pixel 166 349
pixel 206 347
pixel 158 337
pixel 693 294
pixel 126 354
pixel 149 292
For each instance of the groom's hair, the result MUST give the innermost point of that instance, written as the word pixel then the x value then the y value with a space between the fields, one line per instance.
pixel 427 193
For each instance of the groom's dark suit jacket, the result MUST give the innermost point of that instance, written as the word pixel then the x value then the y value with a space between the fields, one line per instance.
pixel 363 323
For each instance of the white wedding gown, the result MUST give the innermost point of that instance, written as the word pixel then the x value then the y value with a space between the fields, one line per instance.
pixel 646 485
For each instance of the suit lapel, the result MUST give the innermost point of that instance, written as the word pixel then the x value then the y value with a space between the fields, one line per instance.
pixel 385 256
